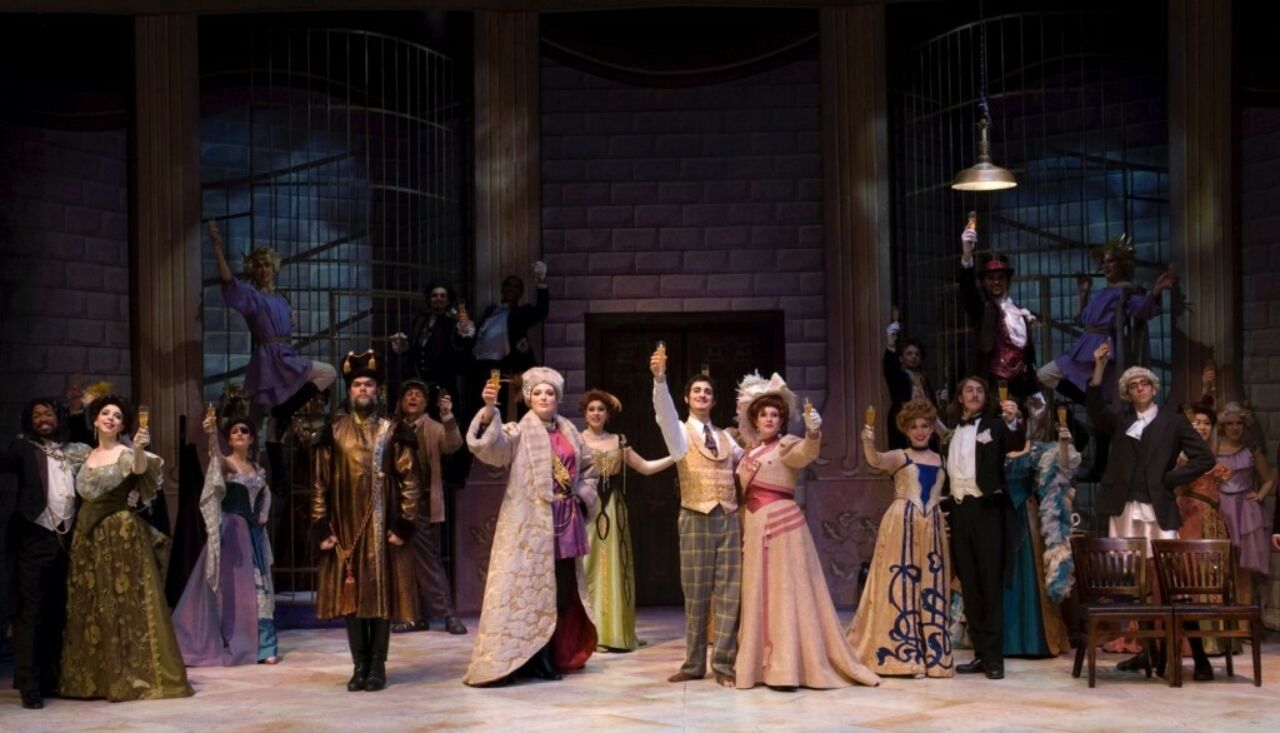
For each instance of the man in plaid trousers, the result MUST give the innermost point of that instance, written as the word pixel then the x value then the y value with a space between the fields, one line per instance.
pixel 710 531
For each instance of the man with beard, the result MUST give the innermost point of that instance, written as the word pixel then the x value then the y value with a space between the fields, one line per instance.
pixel 438 342
pixel 435 440
pixel 46 507
pixel 363 500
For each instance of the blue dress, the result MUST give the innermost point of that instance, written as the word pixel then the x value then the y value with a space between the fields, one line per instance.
pixel 1032 625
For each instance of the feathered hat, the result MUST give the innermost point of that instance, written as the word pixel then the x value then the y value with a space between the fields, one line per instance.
pixel 753 387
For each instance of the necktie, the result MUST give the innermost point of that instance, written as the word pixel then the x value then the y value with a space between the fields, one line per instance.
pixel 710 440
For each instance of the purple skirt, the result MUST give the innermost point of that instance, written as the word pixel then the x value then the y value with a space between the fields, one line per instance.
pixel 570 528
pixel 1248 533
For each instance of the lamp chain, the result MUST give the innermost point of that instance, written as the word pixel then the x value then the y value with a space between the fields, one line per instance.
pixel 982 58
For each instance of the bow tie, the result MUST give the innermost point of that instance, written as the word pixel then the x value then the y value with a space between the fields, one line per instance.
pixel 965 422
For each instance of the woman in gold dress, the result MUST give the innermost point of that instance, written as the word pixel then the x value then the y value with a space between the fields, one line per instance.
pixel 611 574
pixel 119 642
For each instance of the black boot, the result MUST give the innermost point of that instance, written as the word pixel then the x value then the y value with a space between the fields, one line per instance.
pixel 283 412
pixel 1203 669
pixel 540 667
pixel 358 640
pixel 379 641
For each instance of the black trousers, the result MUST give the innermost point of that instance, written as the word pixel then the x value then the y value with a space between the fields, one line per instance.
pixel 41 612
pixel 977 539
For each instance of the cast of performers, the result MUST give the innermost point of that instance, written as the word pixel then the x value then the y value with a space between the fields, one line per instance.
pixel 789 635
pixel 611 573
pixel 1137 489
pixel 363 500
pixel 975 464
pixel 277 377
pixel 1004 349
pixel 535 616
pixel 709 527
pixel 903 367
pixel 1037 475
pixel 119 642
pixel 1241 497
pixel 45 467
pixel 226 615
pixel 1117 312
pixel 436 439
pixel 902 626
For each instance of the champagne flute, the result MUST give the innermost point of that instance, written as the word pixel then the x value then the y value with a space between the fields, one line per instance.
pixel 808 407
pixel 1062 416
pixel 1002 388
pixel 495 378
pixel 973 222
pixel 870 415
pixel 144 417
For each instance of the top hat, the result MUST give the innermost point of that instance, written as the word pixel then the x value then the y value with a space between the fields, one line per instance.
pixel 995 262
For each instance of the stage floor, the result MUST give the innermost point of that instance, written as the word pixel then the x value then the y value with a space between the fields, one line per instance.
pixel 629 692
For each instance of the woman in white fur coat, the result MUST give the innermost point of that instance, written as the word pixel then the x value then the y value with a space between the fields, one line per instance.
pixel 536 619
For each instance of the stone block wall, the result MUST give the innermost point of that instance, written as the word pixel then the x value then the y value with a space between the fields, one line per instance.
pixel 1260 253
pixel 684 200
pixel 64 287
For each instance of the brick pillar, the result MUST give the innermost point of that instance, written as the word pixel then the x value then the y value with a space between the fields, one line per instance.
pixel 166 231
pixel 1202 180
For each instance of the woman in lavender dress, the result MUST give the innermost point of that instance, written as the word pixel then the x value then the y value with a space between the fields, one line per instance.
pixel 226 613
pixel 1240 498
pixel 277 377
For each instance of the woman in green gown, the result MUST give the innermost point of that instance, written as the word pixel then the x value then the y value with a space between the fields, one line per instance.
pixel 611 573
pixel 119 642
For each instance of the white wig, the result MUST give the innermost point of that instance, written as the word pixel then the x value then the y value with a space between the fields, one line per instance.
pixel 1137 372
pixel 541 375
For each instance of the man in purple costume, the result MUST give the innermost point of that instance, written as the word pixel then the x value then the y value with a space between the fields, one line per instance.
pixel 277 377
pixel 1117 313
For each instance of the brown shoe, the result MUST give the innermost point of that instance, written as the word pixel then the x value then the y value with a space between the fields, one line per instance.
pixel 683 676
pixel 725 680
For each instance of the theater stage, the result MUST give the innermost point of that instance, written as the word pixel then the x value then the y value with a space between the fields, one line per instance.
pixel 628 692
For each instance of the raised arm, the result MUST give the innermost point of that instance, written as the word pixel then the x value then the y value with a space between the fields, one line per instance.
pixel 220 257
pixel 451 438
pixel 664 409
pixel 886 462
pixel 1100 413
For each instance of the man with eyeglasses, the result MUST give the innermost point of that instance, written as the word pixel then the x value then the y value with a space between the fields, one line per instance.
pixel 1136 493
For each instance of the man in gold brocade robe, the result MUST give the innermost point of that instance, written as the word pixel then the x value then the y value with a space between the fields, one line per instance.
pixel 364 495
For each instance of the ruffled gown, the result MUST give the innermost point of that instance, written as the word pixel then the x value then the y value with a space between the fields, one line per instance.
pixel 611 575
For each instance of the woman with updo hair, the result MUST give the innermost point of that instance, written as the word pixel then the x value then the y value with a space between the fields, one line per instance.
pixel 1241 497
pixel 902 627
pixel 226 615
pixel 119 642
pixel 611 574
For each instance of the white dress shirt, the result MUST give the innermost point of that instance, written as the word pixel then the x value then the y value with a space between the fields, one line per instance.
pixel 962 462
pixel 61 501
pixel 1144 419
pixel 673 433
pixel 1015 321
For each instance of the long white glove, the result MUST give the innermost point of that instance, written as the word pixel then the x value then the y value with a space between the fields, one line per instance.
pixel 540 271
pixel 891 335
pixel 812 421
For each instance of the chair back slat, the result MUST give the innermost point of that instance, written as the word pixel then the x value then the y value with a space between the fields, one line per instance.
pixel 1110 568
pixel 1189 568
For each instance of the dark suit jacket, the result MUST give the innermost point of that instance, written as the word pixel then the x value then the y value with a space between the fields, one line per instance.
pixel 900 389
pixel 520 319
pixel 984 318
pixel 30 466
pixel 1167 436
pixel 441 359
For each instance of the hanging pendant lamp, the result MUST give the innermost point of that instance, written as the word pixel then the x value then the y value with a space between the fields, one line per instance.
pixel 983 175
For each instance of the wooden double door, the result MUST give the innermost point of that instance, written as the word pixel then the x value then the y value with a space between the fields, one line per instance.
pixel 618 346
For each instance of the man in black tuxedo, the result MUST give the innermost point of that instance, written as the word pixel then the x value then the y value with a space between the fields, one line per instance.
pixel 1004 349
pixel 975 472
pixel 46 505
pixel 903 367
pixel 1136 493
pixel 503 340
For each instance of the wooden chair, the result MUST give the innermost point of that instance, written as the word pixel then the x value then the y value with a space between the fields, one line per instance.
pixel 1111 583
pixel 1197 577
